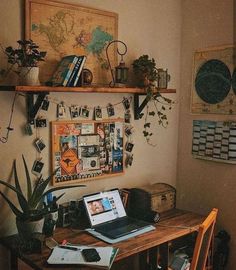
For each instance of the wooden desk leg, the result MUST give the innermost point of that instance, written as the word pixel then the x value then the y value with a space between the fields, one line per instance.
pixel 13 261
pixel 164 255
pixel 153 257
pixel 143 260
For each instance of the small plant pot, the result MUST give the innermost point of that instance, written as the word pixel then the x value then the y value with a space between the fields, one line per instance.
pixel 26 229
pixel 29 75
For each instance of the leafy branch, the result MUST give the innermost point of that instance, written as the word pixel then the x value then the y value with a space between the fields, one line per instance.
pixel 159 111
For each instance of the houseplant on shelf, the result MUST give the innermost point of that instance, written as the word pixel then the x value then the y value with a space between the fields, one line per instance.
pixel 30 215
pixel 146 73
pixel 26 58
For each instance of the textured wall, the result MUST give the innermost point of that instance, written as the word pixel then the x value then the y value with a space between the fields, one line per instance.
pixel 202 185
pixel 148 27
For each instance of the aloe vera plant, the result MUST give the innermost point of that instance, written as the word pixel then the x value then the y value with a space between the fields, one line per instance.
pixel 31 205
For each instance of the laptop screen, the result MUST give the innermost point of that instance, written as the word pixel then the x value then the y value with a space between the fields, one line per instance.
pixel 104 206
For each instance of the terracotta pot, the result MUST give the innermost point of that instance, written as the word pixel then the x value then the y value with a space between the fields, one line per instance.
pixel 29 75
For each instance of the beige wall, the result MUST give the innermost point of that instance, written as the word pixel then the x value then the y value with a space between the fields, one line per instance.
pixel 148 27
pixel 202 185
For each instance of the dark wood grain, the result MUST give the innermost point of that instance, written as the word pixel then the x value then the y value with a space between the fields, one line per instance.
pixel 172 225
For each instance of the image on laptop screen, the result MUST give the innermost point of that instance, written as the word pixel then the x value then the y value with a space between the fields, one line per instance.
pixel 104 206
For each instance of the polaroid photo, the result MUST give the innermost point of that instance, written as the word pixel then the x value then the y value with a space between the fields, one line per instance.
pixel 129 147
pixel 84 112
pixel 41 123
pixel 126 103
pixel 110 110
pixel 129 160
pixel 128 131
pixel 28 129
pixel 40 145
pixel 127 116
pixel 37 167
pixel 61 111
pixel 98 113
pixel 74 111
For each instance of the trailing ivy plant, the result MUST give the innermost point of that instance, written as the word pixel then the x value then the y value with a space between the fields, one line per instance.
pixel 146 72
pixel 161 104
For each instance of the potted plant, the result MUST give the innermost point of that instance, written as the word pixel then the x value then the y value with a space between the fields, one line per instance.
pixel 26 57
pixel 30 215
pixel 146 72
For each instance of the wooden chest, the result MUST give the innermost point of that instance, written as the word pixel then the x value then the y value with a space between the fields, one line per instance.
pixel 158 197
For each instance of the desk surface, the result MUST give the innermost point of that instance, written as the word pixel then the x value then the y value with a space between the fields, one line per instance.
pixel 173 224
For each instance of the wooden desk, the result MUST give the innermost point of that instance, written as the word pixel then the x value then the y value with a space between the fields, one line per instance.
pixel 173 224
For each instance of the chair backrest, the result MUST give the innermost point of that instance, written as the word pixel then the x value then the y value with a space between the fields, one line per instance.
pixel 203 241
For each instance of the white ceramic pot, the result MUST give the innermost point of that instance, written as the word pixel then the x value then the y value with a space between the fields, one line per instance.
pixel 27 228
pixel 29 75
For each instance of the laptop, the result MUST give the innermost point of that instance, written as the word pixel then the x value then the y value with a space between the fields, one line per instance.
pixel 107 215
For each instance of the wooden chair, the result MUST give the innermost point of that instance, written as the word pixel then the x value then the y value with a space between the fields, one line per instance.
pixel 203 242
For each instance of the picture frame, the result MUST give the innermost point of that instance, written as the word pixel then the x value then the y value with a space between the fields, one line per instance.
pixel 63 29
pixel 213 81
pixel 84 150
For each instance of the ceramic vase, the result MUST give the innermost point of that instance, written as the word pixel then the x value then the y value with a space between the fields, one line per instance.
pixel 29 75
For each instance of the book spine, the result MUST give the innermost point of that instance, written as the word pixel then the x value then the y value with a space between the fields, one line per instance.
pixel 79 71
pixel 74 73
pixel 70 70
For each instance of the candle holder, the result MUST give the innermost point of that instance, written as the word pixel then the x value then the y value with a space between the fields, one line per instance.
pixel 120 76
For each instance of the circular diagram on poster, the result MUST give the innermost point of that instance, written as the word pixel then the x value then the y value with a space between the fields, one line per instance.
pixel 213 81
pixel 234 81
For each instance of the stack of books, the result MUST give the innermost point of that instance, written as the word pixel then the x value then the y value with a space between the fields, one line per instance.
pixel 68 71
pixel 72 254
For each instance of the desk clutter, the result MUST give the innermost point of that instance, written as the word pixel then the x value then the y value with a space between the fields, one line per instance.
pixel 102 257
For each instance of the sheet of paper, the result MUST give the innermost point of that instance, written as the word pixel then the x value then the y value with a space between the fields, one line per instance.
pixel 66 256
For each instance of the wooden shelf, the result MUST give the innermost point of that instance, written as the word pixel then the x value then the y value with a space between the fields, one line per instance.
pixel 93 89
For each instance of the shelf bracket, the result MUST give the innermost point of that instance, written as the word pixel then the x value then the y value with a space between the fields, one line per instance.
pixel 33 105
pixel 138 108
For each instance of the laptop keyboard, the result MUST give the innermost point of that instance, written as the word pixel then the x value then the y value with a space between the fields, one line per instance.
pixel 119 228
pixel 114 225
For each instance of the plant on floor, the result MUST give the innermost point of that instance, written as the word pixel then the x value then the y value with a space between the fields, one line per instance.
pixel 32 206
pixel 146 72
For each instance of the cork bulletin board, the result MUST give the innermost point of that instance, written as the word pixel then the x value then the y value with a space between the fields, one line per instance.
pixel 86 149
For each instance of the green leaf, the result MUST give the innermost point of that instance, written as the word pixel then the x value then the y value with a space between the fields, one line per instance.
pixel 163 108
pixel 147 125
pixel 163 117
pixel 141 115
pixel 29 187
pixel 60 188
pixel 152 113
pixel 145 133
pixel 15 210
pixel 22 201
pixel 38 192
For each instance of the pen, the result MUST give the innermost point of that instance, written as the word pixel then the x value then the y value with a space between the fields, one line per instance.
pixel 70 248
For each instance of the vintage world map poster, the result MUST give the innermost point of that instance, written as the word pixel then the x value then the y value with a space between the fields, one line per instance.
pixel 214 81
pixel 65 29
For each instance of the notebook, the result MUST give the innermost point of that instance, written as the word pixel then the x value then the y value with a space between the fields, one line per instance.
pixel 107 215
